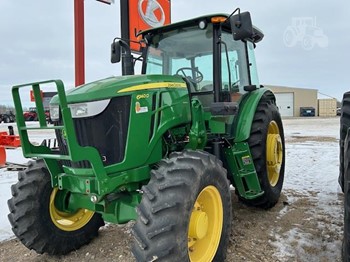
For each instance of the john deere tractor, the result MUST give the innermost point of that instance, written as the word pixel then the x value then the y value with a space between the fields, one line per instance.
pixel 161 148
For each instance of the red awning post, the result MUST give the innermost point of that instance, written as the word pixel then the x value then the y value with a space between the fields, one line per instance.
pixel 2 156
pixel 79 42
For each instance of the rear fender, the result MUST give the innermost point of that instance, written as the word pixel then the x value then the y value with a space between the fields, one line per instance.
pixel 247 107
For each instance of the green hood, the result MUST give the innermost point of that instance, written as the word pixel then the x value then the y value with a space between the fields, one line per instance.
pixel 116 86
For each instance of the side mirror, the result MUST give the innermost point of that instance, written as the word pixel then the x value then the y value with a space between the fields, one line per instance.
pixel 241 26
pixel 115 52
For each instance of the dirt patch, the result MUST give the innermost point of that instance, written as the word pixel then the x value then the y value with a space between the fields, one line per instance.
pixel 301 139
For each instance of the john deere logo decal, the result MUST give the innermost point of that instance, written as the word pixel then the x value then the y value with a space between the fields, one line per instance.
pixel 151 12
pixel 140 109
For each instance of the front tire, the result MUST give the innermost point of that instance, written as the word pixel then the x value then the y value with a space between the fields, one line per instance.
pixel 39 224
pixel 185 212
pixel 267 147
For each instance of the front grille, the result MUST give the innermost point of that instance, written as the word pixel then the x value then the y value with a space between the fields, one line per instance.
pixel 107 132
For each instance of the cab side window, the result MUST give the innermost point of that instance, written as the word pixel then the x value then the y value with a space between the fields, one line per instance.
pixel 235 66
pixel 252 65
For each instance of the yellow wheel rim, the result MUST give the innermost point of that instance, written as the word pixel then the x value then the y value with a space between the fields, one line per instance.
pixel 274 153
pixel 68 221
pixel 205 227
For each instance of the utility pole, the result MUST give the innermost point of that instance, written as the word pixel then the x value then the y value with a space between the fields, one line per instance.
pixel 79 46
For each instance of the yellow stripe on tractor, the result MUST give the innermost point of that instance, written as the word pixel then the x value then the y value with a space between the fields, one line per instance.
pixel 153 86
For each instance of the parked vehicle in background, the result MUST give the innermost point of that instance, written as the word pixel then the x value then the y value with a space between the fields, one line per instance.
pixel 32 115
pixel 338 111
pixel 307 111
pixel 7 117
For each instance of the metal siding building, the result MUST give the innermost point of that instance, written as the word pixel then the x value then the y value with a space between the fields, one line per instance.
pixel 290 99
pixel 327 107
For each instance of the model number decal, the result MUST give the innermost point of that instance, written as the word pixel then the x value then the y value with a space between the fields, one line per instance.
pixel 143 96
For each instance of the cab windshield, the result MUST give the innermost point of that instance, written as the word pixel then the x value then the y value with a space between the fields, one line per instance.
pixel 188 52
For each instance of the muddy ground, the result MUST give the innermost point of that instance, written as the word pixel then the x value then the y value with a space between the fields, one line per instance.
pixel 299 228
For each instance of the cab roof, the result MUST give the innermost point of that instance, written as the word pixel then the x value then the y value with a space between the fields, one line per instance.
pixel 194 21
pixel 189 22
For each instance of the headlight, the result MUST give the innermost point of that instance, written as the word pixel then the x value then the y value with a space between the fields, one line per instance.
pixel 78 110
pixel 54 112
pixel 88 109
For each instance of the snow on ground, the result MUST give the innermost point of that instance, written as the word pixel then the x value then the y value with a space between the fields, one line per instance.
pixel 312 168
pixel 7 178
pixel 310 187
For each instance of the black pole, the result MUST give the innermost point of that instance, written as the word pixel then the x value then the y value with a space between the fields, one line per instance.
pixel 217 62
pixel 124 21
pixel 127 59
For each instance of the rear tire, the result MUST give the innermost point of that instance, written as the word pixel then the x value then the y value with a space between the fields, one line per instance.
pixel 185 212
pixel 344 125
pixel 266 135
pixel 346 239
pixel 31 215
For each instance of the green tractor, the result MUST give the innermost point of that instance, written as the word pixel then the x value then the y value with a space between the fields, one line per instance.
pixel 161 148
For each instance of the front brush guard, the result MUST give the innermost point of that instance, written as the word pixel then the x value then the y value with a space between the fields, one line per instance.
pixel 75 151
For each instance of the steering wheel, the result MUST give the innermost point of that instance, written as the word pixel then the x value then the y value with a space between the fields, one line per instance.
pixel 194 71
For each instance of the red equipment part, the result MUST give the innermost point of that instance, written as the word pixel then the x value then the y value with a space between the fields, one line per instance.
pixel 7 140
pixel 2 156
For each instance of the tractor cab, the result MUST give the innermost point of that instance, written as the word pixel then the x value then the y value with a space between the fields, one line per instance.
pixel 214 54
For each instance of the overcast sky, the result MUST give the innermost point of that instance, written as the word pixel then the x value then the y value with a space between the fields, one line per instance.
pixel 37 41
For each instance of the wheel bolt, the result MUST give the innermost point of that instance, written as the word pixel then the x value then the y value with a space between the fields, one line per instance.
pixel 94 199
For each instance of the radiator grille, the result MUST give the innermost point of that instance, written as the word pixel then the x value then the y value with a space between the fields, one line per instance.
pixel 107 132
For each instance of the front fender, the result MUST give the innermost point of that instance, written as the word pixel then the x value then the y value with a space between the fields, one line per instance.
pixel 247 107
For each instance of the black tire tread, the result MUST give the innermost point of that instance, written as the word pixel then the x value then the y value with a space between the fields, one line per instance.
pixel 161 211
pixel 346 239
pixel 344 125
pixel 27 215
pixel 265 112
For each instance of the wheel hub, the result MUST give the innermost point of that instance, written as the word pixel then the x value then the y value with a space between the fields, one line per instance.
pixel 198 225
pixel 68 221
pixel 274 153
pixel 205 226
